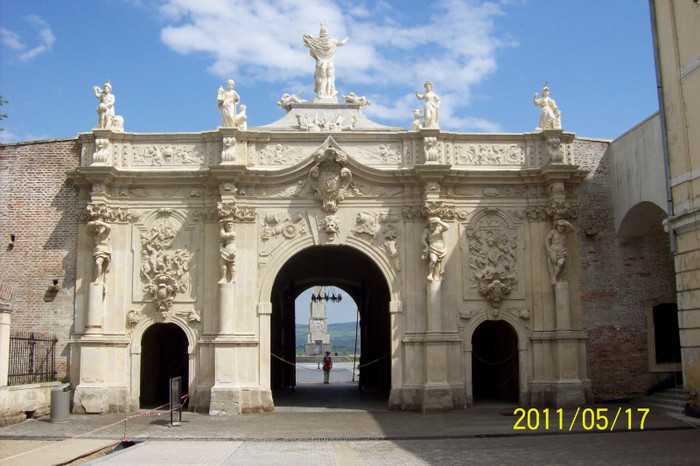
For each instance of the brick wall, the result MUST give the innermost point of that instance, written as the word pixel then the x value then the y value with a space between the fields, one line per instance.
pixel 38 206
pixel 620 279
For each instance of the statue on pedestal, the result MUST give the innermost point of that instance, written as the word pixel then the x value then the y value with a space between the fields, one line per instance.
pixel 432 104
pixel 106 119
pixel 550 116
pixel 322 48
pixel 226 101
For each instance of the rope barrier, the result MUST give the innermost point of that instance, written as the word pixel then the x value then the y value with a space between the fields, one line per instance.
pixel 150 412
pixel 372 362
pixel 306 368
pixel 495 363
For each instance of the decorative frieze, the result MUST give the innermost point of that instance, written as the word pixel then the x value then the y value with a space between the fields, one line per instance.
pixel 382 154
pixel 489 154
pixel 108 214
pixel 281 154
pixel 167 155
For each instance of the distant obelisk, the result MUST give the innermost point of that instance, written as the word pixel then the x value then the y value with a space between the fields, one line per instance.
pixel 318 341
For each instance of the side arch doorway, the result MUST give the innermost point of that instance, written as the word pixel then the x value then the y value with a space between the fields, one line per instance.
pixel 495 364
pixel 163 355
pixel 342 267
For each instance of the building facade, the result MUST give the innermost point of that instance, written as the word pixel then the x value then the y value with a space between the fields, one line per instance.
pixel 677 49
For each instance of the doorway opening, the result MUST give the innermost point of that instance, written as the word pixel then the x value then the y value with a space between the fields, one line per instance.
pixel 163 356
pixel 495 365
pixel 358 277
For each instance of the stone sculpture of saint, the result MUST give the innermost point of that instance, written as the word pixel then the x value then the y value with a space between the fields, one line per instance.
pixel 227 251
pixel 226 101
pixel 102 252
pixel 550 116
pixel 434 248
pixel 557 251
pixel 322 49
pixel 105 110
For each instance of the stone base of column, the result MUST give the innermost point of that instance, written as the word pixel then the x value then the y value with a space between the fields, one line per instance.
pixel 89 399
pixel 437 399
pixel 228 401
pixel 561 394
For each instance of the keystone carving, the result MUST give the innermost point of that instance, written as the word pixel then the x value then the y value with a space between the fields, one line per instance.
pixel 329 178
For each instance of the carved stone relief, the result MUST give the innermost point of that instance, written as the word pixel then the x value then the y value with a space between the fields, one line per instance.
pixel 489 154
pixel 108 214
pixel 384 154
pixel 492 257
pixel 102 151
pixel 228 152
pixel 519 312
pixel 329 178
pixel 278 227
pixel 326 124
pixel 167 155
pixel 164 271
pixel 374 227
pixel 281 154
pixel 330 225
pixel 430 147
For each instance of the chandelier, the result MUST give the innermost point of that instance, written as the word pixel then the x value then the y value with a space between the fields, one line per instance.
pixel 327 293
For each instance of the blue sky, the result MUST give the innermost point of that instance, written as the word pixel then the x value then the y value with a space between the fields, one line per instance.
pixel 166 59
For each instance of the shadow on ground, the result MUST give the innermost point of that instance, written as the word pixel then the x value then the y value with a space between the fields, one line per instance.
pixel 340 395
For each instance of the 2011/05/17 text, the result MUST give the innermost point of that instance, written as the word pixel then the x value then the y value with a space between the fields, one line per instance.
pixel 600 419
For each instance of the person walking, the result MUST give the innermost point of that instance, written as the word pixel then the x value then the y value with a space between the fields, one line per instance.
pixel 327 365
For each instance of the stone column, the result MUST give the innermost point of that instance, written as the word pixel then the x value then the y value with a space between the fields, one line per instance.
pixel 5 320
pixel 227 294
pixel 95 310
pixel 6 294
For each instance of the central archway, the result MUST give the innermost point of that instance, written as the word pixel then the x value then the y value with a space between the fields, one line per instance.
pixel 354 272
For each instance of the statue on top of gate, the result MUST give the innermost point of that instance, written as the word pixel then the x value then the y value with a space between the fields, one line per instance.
pixel 322 48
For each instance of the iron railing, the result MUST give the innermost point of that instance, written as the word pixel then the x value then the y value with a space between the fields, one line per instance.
pixel 32 358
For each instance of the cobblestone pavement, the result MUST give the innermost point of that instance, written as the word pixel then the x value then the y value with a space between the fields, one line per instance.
pixel 338 425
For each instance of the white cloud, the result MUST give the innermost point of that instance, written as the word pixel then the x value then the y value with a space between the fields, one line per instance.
pixel 45 39
pixel 11 40
pixel 453 44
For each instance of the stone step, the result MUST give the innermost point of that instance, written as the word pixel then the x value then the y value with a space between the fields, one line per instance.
pixel 671 400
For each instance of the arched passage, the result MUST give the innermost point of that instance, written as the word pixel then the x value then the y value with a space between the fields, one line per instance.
pixel 163 355
pixel 351 270
pixel 495 365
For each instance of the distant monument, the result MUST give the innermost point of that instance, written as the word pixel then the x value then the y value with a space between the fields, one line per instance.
pixel 318 341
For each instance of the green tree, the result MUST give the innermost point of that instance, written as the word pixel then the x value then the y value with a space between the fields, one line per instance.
pixel 2 115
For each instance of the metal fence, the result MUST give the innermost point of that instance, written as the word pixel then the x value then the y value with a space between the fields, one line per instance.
pixel 32 358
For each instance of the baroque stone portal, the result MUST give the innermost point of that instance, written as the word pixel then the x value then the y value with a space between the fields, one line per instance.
pixel 209 238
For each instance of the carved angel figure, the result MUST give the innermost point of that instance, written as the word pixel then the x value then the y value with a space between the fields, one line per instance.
pixel 287 100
